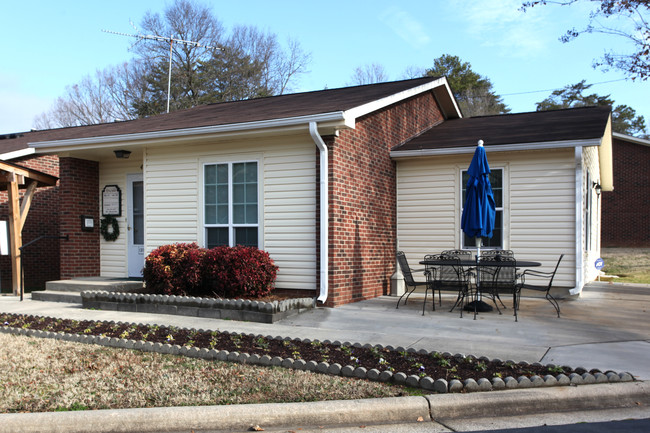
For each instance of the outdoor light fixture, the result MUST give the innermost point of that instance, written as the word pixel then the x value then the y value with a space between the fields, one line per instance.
pixel 122 154
pixel 597 187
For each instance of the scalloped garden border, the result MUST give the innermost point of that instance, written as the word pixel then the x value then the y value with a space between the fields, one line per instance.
pixel 213 308
pixel 427 383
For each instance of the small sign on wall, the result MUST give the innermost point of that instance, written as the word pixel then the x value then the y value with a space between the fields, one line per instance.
pixel 4 238
pixel 111 201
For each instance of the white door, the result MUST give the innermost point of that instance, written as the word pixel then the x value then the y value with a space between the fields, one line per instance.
pixel 135 224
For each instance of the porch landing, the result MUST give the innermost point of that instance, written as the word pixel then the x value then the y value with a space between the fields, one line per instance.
pixel 70 290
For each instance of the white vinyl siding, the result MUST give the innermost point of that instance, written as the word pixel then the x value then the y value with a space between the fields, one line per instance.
pixel 539 206
pixel 174 205
pixel 113 254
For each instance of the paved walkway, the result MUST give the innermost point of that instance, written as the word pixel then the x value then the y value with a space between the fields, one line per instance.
pixel 607 327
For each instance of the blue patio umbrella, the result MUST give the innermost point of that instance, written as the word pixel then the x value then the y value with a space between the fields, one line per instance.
pixel 479 211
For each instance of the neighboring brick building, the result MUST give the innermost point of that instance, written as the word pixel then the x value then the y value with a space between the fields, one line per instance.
pixel 626 210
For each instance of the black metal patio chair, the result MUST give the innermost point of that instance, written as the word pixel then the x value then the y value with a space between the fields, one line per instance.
pixel 495 253
pixel 450 276
pixel 497 275
pixel 409 281
pixel 546 288
pixel 462 254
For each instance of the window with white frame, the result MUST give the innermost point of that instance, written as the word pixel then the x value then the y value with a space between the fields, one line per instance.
pixel 496 181
pixel 230 200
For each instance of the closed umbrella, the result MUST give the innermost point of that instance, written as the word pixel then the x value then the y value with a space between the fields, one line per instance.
pixel 479 210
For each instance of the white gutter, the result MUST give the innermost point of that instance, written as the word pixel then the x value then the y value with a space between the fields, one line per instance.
pixel 324 212
pixel 496 148
pixel 337 117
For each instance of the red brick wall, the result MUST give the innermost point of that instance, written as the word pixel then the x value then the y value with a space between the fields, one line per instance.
pixel 362 188
pixel 626 210
pixel 40 259
pixel 79 195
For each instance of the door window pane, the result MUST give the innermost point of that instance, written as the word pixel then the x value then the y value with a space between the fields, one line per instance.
pixel 138 213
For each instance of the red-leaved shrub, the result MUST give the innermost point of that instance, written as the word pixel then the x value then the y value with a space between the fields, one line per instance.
pixel 187 269
pixel 174 269
pixel 238 272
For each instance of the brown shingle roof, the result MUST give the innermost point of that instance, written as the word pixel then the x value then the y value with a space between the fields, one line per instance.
pixel 533 127
pixel 275 107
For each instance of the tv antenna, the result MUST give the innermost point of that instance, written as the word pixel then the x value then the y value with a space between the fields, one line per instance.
pixel 171 40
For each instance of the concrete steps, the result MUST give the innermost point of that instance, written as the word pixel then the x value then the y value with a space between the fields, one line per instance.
pixel 70 290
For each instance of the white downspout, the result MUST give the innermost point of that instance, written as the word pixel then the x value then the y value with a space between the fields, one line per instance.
pixel 580 223
pixel 324 212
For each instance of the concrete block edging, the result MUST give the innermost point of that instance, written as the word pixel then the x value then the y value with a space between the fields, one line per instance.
pixel 232 309
pixel 439 386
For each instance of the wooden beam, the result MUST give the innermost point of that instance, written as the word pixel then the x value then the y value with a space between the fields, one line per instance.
pixel 15 235
pixel 27 202
pixel 42 178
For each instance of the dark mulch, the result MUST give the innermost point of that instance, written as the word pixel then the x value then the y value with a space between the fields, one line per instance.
pixel 434 365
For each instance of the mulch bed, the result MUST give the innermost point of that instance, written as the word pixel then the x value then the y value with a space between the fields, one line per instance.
pixel 435 365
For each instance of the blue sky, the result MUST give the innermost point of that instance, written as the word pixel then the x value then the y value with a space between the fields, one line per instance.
pixel 46 45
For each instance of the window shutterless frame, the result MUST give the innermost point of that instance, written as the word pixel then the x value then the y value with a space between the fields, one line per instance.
pixel 231 203
pixel 498 188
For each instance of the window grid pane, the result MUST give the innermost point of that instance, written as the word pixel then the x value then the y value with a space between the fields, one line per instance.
pixel 496 182
pixel 231 187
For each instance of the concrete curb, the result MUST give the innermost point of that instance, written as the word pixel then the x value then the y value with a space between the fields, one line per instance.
pixel 539 400
pixel 348 412
pixel 228 418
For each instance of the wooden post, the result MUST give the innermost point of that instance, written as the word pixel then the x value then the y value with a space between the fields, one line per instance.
pixel 15 233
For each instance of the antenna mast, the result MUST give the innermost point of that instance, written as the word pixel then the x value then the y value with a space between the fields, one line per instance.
pixel 171 40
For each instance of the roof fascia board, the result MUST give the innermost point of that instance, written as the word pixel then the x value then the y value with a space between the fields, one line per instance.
pixel 496 148
pixel 356 112
pixel 337 117
pixel 17 154
pixel 631 139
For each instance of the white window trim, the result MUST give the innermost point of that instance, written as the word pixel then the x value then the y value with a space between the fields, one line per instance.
pixel 502 209
pixel 260 201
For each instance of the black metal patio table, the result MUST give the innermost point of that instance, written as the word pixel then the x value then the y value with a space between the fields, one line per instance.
pixel 469 263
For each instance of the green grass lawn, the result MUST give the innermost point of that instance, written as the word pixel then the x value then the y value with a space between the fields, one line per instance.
pixel 631 265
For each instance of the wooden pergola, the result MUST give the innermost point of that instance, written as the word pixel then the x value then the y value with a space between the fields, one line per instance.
pixel 12 178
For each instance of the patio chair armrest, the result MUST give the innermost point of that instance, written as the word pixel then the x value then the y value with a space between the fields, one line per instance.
pixel 533 273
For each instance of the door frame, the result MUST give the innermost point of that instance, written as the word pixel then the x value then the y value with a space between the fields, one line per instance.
pixel 131 247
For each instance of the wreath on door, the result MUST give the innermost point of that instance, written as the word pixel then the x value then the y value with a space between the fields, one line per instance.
pixel 112 233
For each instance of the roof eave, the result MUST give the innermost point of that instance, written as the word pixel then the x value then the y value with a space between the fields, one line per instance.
pixel 397 154
pixel 331 120
pixel 441 91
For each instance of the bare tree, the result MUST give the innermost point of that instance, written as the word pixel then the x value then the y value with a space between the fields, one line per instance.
pixel 369 74
pixel 247 64
pixel 625 19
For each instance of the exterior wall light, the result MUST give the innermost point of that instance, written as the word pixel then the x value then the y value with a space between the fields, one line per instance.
pixel 122 154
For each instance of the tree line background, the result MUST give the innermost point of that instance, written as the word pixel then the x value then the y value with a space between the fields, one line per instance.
pixel 248 63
